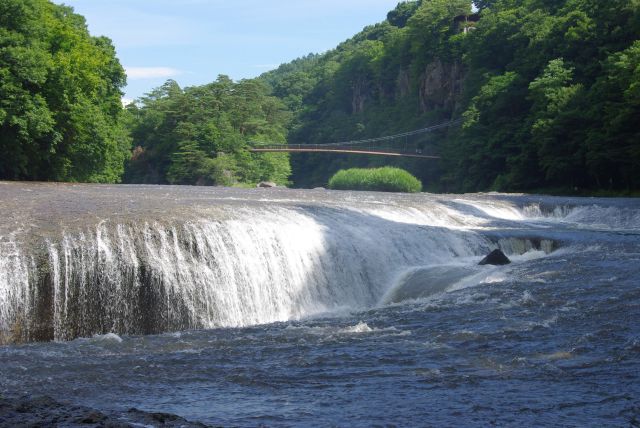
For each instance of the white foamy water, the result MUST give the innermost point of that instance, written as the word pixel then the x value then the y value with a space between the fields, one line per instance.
pixel 187 258
pixel 14 286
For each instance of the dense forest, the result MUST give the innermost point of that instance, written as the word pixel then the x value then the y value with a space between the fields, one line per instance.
pixel 201 135
pixel 548 90
pixel 61 116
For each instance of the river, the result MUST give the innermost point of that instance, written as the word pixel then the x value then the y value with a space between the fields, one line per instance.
pixel 279 307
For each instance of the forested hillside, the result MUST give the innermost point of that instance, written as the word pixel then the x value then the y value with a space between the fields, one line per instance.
pixel 549 93
pixel 201 135
pixel 60 109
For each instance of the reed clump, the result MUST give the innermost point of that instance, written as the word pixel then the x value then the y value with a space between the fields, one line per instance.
pixel 386 179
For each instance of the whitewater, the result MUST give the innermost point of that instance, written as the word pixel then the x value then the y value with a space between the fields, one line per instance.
pixel 311 307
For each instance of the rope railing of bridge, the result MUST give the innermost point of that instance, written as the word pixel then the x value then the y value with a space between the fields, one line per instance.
pixel 371 146
pixel 397 136
pixel 302 148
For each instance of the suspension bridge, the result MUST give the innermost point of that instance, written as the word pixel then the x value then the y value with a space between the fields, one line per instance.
pixel 411 144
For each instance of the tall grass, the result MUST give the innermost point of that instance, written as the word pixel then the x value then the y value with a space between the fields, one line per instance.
pixel 386 179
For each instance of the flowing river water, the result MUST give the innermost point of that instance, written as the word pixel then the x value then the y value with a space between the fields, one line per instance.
pixel 286 307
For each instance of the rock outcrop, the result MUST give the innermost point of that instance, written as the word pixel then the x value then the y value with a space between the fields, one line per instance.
pixel 496 258
pixel 44 411
pixel 440 85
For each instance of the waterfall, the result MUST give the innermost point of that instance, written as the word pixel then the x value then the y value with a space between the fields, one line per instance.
pixel 229 267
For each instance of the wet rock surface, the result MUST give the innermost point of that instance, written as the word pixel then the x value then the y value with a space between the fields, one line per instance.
pixel 44 411
pixel 496 258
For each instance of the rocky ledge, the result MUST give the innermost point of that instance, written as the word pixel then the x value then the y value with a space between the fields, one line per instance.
pixel 44 411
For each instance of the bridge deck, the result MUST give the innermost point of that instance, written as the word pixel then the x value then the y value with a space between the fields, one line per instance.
pixel 311 148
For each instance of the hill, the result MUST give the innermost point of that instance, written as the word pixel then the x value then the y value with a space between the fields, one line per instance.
pixel 549 91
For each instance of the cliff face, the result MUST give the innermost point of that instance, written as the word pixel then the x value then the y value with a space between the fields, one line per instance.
pixel 392 77
pixel 437 87
pixel 440 86
pixel 360 95
pixel 403 84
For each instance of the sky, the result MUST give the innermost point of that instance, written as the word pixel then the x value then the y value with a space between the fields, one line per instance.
pixel 193 41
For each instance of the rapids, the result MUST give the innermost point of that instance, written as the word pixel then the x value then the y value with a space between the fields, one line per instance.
pixel 290 307
pixel 79 260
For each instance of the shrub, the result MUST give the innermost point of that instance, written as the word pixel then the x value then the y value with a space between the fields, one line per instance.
pixel 385 179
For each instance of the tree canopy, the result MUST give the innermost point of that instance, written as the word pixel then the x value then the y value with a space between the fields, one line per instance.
pixel 60 108
pixel 548 91
pixel 201 135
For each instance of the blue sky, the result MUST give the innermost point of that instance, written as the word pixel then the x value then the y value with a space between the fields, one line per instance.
pixel 192 41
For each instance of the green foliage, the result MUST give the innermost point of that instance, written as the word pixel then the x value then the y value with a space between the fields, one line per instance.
pixel 555 105
pixel 399 16
pixel 560 127
pixel 371 85
pixel 386 179
pixel 201 135
pixel 548 89
pixel 60 112
pixel 483 4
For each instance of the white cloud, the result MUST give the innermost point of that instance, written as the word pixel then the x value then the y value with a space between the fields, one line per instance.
pixel 138 73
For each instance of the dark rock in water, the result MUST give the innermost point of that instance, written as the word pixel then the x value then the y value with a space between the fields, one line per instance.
pixel 496 257
pixel 266 184
pixel 46 412
pixel 161 419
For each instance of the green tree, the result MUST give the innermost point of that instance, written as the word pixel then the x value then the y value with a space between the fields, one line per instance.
pixel 60 112
pixel 613 147
pixel 399 16
pixel 548 90
pixel 201 135
pixel 555 117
